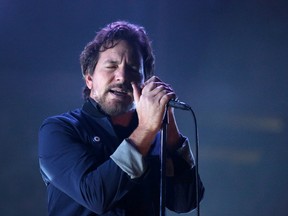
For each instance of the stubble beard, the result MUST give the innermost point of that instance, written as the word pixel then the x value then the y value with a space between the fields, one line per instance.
pixel 113 107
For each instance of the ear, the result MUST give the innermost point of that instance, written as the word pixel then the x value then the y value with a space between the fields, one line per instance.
pixel 89 80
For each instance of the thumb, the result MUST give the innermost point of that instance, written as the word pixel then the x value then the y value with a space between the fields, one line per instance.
pixel 136 92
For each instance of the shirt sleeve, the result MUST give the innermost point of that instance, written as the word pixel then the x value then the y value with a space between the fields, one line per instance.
pixel 129 159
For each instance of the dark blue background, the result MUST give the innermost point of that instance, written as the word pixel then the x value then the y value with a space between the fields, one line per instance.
pixel 227 59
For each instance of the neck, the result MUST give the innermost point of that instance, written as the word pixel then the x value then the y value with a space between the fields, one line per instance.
pixel 123 119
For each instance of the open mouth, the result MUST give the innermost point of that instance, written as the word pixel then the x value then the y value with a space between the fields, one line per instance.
pixel 119 92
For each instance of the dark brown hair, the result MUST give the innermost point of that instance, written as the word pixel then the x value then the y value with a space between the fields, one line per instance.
pixel 107 38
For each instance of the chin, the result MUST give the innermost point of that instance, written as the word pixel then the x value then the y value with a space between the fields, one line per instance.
pixel 116 109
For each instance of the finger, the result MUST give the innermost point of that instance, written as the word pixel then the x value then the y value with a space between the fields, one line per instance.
pixel 167 97
pixel 136 92
pixel 152 79
pixel 164 96
pixel 162 89
pixel 154 85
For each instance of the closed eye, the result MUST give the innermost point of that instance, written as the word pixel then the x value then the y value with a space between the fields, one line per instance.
pixel 111 66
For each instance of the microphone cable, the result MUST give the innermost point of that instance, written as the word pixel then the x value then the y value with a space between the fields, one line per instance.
pixel 183 106
pixel 196 161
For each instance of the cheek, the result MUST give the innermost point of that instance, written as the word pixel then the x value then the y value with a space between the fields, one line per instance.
pixel 96 87
pixel 99 87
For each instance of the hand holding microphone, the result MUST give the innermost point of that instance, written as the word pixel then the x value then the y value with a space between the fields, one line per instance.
pixel 151 101
pixel 178 104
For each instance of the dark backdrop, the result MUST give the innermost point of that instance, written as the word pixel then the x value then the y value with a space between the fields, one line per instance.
pixel 227 59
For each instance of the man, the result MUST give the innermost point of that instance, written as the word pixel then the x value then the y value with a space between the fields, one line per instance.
pixel 103 159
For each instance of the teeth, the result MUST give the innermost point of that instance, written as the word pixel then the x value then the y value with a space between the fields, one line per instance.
pixel 118 92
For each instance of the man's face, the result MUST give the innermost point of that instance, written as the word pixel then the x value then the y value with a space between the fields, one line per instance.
pixel 110 83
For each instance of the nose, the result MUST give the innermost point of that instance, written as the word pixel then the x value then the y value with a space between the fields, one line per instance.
pixel 121 74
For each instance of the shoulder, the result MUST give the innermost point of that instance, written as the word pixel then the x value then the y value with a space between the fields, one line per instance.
pixel 76 123
pixel 68 118
pixel 64 129
pixel 72 122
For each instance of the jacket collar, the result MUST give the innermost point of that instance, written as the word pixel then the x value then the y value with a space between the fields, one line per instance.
pixel 92 108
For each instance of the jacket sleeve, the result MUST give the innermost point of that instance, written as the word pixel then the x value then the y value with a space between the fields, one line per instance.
pixel 181 187
pixel 78 170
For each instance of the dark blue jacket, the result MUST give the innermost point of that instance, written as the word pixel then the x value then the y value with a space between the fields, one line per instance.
pixel 82 179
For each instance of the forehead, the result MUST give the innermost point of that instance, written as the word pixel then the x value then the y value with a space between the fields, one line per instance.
pixel 120 50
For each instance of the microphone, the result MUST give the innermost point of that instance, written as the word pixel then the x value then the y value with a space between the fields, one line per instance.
pixel 178 104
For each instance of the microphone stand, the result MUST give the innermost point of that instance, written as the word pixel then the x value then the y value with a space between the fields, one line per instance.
pixel 183 106
pixel 163 164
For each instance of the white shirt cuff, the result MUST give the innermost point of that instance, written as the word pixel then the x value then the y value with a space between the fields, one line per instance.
pixel 129 159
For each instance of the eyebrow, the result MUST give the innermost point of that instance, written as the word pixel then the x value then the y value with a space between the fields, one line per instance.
pixel 111 61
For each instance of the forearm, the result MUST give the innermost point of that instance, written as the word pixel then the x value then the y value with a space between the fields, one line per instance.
pixel 181 191
pixel 81 171
pixel 93 188
pixel 174 137
pixel 142 139
pixel 181 186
